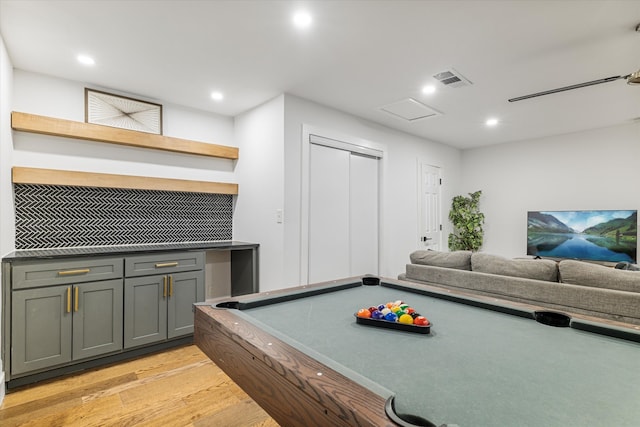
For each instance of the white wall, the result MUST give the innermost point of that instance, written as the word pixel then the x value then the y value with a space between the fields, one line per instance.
pixel 260 176
pixel 7 224
pixel 269 174
pixel 597 169
pixel 38 94
pixel 49 96
pixel 399 193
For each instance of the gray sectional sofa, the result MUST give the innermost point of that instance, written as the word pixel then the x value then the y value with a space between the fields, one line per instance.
pixel 568 285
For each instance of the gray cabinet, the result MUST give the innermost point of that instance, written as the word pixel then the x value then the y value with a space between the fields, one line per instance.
pixel 59 315
pixel 75 308
pixel 160 291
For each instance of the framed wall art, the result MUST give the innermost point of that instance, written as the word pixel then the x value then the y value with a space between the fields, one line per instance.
pixel 107 109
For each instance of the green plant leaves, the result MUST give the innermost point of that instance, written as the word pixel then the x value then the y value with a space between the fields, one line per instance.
pixel 467 221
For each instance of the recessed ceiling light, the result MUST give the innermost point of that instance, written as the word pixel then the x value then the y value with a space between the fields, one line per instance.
pixel 86 60
pixel 217 96
pixel 491 122
pixel 428 89
pixel 302 19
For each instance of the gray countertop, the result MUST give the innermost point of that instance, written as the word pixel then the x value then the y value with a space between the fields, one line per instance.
pixel 26 254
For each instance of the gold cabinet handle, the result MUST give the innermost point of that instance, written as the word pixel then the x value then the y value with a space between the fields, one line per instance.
pixel 170 285
pixel 73 272
pixel 75 303
pixel 167 264
pixel 164 280
pixel 69 299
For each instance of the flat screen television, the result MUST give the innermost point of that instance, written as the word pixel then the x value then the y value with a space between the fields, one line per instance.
pixel 608 235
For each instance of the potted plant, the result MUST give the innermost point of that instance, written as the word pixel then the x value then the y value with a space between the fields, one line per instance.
pixel 467 222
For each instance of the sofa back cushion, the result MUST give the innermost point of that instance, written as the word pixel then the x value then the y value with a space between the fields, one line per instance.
pixel 599 276
pixel 460 260
pixel 539 269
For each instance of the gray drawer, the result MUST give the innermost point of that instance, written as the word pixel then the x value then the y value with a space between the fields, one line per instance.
pixel 163 263
pixel 38 273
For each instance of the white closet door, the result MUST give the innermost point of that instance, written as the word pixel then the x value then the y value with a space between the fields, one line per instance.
pixel 328 213
pixel 343 213
pixel 363 214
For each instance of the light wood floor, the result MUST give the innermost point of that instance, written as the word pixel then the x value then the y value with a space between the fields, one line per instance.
pixel 178 387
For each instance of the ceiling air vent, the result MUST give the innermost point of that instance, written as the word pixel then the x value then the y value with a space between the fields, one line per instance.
pixel 452 78
pixel 410 110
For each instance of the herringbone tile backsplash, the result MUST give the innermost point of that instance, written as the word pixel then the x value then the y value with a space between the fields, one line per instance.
pixel 49 216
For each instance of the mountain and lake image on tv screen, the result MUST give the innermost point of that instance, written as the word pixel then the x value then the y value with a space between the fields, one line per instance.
pixel 595 235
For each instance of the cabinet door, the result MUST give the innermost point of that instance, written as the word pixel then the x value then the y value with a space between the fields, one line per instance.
pixel 185 289
pixel 97 318
pixel 145 310
pixel 40 328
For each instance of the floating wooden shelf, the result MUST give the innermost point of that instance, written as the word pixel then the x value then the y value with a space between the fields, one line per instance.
pixel 70 129
pixel 21 175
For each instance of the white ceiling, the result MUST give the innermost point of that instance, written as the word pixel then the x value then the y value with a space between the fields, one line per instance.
pixel 356 57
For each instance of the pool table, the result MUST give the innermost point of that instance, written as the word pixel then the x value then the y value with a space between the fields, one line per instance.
pixel 302 356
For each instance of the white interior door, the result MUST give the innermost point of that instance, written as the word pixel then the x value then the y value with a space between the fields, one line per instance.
pixel 343 212
pixel 430 226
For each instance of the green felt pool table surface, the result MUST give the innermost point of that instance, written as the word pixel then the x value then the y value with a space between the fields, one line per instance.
pixel 476 367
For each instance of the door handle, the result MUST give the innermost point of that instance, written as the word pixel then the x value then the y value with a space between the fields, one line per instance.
pixel 170 285
pixel 75 303
pixel 167 264
pixel 164 282
pixel 425 238
pixel 73 272
pixel 69 299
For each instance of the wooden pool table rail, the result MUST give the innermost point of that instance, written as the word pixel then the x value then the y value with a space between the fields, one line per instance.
pixel 281 379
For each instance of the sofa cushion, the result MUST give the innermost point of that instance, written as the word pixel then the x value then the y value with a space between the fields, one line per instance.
pixel 460 260
pixel 539 269
pixel 599 276
pixel 608 303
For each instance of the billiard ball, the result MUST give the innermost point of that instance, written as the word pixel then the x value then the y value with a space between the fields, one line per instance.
pixel 364 313
pixel 391 317
pixel 406 319
pixel 386 311
pixel 377 314
pixel 421 321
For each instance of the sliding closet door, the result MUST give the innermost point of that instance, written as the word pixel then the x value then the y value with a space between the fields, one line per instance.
pixel 328 214
pixel 363 215
pixel 343 214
